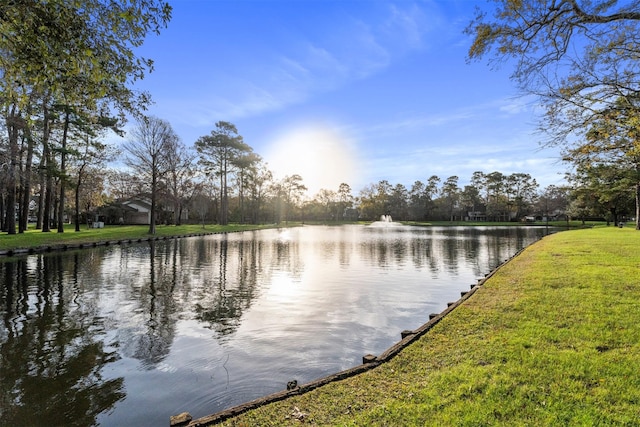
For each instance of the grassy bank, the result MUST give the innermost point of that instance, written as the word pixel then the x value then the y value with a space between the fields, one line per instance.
pixel 553 338
pixel 36 238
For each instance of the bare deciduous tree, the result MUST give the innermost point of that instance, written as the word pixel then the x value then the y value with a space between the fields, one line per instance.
pixel 146 154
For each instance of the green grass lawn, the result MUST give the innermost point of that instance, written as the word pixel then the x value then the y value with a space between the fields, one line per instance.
pixel 553 338
pixel 36 238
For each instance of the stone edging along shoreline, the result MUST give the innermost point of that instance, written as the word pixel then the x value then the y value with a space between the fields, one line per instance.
pixel 369 361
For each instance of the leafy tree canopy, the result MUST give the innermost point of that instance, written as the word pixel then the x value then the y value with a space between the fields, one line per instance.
pixel 87 45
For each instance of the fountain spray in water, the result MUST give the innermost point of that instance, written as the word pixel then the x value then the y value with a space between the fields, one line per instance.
pixel 385 221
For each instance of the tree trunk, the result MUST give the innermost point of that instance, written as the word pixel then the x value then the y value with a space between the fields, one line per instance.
pixel 637 205
pixel 224 203
pixel 614 213
pixel 241 196
pixel 154 183
pixel 177 212
pixel 55 202
pixel 26 183
pixel 63 171
pixel 10 217
pixel 48 197
pixel 77 198
pixel 222 198
pixel 40 217
pixel 12 129
pixel 47 170
pixel 2 213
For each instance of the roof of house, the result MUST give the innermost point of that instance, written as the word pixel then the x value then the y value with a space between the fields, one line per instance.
pixel 137 203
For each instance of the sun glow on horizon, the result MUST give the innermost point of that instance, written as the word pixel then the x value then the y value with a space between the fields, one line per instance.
pixel 320 154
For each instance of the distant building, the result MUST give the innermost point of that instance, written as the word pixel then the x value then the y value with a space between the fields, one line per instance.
pixel 476 216
pixel 140 214
pixel 135 211
pixel 130 211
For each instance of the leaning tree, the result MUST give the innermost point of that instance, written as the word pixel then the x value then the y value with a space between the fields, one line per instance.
pixel 580 57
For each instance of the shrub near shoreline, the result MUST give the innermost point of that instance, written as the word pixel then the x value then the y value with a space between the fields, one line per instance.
pixel 552 338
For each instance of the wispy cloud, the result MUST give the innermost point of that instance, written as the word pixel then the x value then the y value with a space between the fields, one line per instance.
pixel 351 49
pixel 408 25
pixel 419 121
pixel 501 108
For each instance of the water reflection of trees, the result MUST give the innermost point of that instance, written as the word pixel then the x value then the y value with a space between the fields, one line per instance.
pixel 67 316
pixel 229 286
pixel 211 279
pixel 51 360
pixel 448 248
pixel 221 302
pixel 151 337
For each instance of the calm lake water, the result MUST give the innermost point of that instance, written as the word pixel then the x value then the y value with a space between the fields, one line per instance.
pixel 130 335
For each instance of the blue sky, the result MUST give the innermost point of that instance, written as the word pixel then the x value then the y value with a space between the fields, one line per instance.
pixel 345 91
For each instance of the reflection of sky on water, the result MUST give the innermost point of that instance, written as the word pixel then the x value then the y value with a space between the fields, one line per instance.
pixel 200 324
